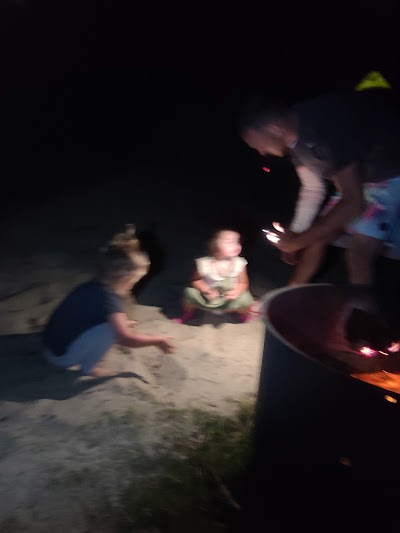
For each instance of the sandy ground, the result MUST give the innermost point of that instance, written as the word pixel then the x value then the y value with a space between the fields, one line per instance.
pixel 64 439
pixel 67 442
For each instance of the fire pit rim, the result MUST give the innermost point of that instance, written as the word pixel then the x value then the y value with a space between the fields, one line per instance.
pixel 267 322
pixel 271 329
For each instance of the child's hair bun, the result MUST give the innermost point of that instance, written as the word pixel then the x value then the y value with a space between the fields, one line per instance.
pixel 127 240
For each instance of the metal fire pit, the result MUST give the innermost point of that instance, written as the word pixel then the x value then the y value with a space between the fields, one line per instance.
pixel 327 447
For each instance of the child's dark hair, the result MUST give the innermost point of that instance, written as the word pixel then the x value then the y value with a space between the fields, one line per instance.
pixel 114 263
pixel 259 111
pixel 122 256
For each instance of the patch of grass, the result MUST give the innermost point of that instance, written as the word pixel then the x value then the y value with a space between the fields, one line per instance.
pixel 194 485
pixel 130 419
pixel 227 440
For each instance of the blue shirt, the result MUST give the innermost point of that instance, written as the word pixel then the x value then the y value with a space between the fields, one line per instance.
pixel 89 305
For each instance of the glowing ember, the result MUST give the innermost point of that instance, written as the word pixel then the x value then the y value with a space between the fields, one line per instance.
pixel 278 227
pixel 266 169
pixel 390 398
pixel 394 347
pixel 368 352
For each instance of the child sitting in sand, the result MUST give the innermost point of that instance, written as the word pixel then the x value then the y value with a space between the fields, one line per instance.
pixel 220 282
pixel 91 318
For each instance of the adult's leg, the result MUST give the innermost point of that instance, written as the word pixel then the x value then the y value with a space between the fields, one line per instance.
pixel 365 322
pixel 361 256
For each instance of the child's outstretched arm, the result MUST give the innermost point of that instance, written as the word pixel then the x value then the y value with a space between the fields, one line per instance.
pixel 132 339
pixel 198 283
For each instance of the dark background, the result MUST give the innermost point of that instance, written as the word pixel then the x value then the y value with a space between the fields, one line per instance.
pixel 91 90
pixel 87 88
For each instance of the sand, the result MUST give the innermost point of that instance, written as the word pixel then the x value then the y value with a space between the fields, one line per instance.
pixel 64 439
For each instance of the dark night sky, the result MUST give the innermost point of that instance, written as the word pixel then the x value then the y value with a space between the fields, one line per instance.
pixel 82 78
pixel 296 44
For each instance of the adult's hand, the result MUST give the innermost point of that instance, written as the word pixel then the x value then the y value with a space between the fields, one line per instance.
pixel 291 258
pixel 289 244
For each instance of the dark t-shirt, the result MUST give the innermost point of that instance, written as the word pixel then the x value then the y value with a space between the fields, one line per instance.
pixel 338 129
pixel 89 305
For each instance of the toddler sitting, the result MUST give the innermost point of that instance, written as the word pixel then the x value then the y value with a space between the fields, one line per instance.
pixel 220 282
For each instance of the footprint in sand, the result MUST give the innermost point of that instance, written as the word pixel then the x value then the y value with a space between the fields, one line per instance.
pixel 170 374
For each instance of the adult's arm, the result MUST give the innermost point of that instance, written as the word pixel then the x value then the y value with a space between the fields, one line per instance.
pixel 349 183
pixel 311 195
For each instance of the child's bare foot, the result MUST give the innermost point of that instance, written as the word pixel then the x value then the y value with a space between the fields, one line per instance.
pixel 101 372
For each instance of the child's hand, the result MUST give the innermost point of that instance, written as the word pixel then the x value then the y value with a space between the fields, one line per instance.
pixel 166 345
pixel 210 294
pixel 232 294
pixel 132 323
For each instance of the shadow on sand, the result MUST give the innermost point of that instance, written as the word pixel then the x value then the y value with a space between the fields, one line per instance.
pixel 27 376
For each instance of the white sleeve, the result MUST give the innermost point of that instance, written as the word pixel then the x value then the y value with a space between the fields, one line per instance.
pixel 240 264
pixel 311 195
pixel 203 266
